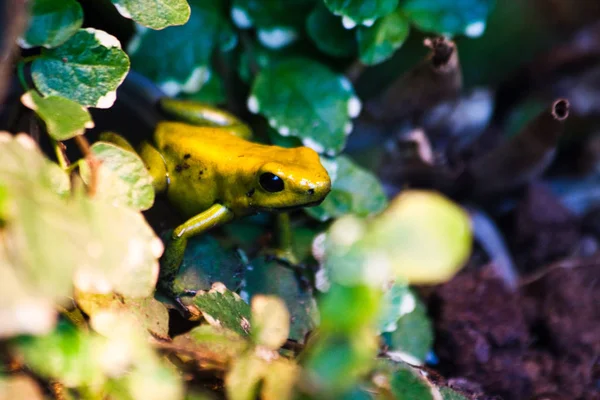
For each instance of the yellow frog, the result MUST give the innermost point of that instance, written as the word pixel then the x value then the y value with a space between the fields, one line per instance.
pixel 212 174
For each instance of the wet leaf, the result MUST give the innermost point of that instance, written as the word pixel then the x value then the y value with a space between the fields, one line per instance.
pixel 272 278
pixel 64 118
pixel 205 262
pixel 361 11
pixel 406 384
pixel 328 34
pixel 270 321
pixel 51 23
pixel 152 52
pixel 449 16
pixel 155 14
pixel 354 190
pixel 380 41
pixel 87 69
pixel 318 111
pixel 396 302
pixel 224 308
pixel 413 337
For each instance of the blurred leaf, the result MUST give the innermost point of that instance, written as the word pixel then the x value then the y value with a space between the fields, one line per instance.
pixel 407 384
pixel 51 23
pixel 20 387
pixel 65 354
pixel 334 363
pixel 212 92
pixel 243 378
pixel 155 14
pixel 422 237
pixel 354 190
pixel 449 16
pixel 328 34
pixel 413 336
pixel 87 69
pixel 272 278
pixel 205 262
pixel 64 118
pixel 269 14
pixel 212 344
pixel 396 302
pixel 380 41
pixel 361 11
pixel 224 308
pixel 192 45
pixel 150 314
pixel 122 178
pixel 361 305
pixel 279 380
pixel 270 321
pixel 449 394
pixel 318 110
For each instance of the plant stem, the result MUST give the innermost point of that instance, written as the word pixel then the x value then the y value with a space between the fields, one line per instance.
pixel 93 162
pixel 21 74
pixel 60 155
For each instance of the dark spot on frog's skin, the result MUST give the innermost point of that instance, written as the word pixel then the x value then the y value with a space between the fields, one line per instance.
pixel 250 192
pixel 186 156
pixel 186 165
pixel 311 191
pixel 178 168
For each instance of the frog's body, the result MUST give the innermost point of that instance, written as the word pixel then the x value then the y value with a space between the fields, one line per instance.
pixel 212 174
pixel 207 165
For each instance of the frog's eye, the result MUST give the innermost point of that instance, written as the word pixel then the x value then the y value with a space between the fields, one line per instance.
pixel 271 182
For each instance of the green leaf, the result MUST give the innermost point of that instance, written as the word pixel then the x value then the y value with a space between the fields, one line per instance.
pixel 205 262
pixel 150 314
pixel 361 305
pixel 51 23
pixel 413 336
pixel 311 102
pixel 212 344
pixel 224 308
pixel 64 118
pixel 326 30
pixel 243 378
pixel 361 11
pixel 421 238
pixel 270 321
pixel 122 178
pixel 212 92
pixel 269 14
pixel 407 384
pixel 397 301
pixel 192 45
pixel 87 69
pixel 449 17
pixel 354 190
pixel 272 278
pixel 380 41
pixel 280 379
pixel 155 14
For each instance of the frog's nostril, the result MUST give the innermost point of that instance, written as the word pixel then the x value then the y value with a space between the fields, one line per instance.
pixel 311 191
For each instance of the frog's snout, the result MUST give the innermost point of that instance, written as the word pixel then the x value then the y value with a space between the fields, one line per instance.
pixel 320 189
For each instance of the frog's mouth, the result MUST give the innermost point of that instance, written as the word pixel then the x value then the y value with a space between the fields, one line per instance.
pixel 291 208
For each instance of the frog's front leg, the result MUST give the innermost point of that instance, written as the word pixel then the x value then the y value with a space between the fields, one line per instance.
pixel 171 260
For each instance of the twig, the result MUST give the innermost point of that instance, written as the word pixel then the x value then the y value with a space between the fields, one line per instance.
pixel 569 263
pixel 93 162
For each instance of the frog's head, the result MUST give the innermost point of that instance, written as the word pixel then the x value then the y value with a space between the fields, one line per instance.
pixel 294 179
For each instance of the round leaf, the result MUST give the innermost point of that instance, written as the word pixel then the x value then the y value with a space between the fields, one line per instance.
pixel 449 16
pixel 326 30
pixel 123 177
pixel 87 69
pixel 178 58
pixel 155 14
pixel 224 308
pixel 379 42
pixel 361 11
pixel 269 14
pixel 354 190
pixel 302 98
pixel 51 23
pixel 270 321
pixel 64 118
